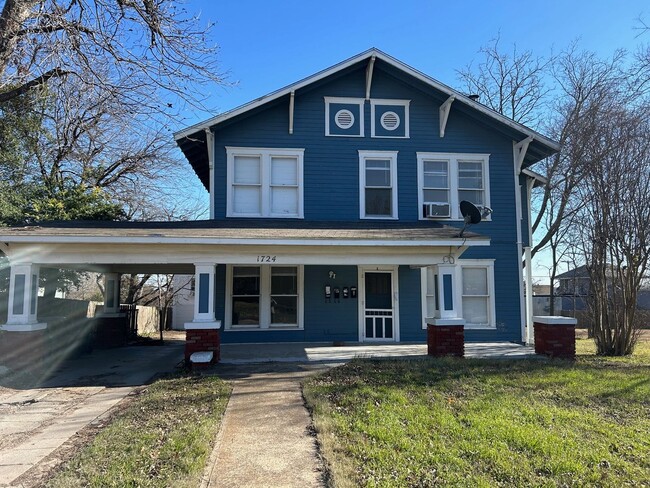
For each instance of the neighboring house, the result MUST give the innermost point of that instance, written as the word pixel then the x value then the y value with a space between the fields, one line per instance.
pixel 574 286
pixel 334 215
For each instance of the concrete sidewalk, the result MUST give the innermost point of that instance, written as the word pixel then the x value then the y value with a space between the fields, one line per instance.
pixel 266 438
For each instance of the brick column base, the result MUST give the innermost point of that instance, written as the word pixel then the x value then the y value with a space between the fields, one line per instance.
pixel 23 351
pixel 445 340
pixel 555 336
pixel 200 340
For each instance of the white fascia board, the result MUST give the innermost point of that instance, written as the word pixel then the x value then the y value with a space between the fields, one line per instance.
pixel 244 242
pixel 349 62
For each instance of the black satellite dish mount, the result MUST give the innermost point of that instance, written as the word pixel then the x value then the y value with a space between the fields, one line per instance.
pixel 471 214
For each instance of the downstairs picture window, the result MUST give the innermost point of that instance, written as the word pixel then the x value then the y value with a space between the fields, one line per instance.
pixel 264 297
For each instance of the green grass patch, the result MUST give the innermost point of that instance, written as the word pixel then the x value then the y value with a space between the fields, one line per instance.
pixel 486 423
pixel 162 438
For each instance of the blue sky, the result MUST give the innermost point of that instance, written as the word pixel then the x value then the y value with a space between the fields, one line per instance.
pixel 265 45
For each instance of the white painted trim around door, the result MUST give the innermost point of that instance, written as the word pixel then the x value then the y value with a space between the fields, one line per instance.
pixel 394 270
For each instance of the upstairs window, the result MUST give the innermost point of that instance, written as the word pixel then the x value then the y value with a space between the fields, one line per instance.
pixel 265 182
pixel 378 184
pixel 444 180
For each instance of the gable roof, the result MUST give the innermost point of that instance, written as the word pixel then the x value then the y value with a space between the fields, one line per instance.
pixel 192 139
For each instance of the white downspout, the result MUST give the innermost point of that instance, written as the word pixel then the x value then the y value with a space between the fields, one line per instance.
pixel 209 140
pixel 530 337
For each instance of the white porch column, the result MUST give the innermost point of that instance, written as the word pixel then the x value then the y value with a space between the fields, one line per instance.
pixel 204 289
pixel 202 335
pixel 449 301
pixel 530 336
pixel 23 299
pixel 111 294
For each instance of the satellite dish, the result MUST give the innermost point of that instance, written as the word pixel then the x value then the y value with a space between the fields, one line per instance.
pixel 471 215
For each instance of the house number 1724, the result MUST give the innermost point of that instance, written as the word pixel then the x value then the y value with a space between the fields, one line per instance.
pixel 266 259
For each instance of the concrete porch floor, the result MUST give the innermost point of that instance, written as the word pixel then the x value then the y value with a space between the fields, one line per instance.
pixel 326 353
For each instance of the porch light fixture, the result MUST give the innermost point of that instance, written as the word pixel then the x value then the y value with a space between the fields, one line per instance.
pixel 332 275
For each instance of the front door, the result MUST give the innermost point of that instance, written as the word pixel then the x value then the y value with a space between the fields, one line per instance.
pixel 379 320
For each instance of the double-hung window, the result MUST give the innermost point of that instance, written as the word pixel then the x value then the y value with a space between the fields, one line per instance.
pixel 264 297
pixel 476 295
pixel 378 184
pixel 265 182
pixel 475 290
pixel 446 179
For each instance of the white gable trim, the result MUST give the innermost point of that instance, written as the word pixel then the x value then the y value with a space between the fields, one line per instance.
pixel 349 62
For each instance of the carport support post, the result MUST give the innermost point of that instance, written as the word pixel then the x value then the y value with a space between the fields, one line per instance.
pixel 446 331
pixel 111 293
pixel 23 341
pixel 111 327
pixel 202 334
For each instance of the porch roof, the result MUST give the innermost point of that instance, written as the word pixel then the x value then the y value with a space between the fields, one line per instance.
pixel 248 231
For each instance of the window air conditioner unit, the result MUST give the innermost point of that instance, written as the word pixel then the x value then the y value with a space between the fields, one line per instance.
pixel 436 210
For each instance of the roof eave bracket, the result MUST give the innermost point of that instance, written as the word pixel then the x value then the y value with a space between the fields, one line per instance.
pixel 369 70
pixel 520 152
pixel 291 106
pixel 444 114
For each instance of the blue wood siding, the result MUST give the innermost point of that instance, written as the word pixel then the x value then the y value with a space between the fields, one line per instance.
pixel 331 192
pixel 410 306
pixel 324 322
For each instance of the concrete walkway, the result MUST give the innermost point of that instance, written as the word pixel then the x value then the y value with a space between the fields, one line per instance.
pixel 265 438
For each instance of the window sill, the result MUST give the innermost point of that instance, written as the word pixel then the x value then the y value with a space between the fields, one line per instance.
pixel 479 327
pixel 379 218
pixel 249 216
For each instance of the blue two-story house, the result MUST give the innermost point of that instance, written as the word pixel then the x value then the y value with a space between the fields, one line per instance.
pixel 334 215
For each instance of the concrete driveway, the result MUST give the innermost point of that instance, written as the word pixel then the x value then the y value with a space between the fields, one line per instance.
pixel 34 422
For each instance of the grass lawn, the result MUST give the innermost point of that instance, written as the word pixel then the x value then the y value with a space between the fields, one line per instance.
pixel 486 422
pixel 163 438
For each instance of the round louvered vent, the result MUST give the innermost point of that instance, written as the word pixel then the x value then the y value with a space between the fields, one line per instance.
pixel 390 120
pixel 344 119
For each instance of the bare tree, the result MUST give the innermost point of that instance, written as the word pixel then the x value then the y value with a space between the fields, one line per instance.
pixel 614 235
pixel 511 84
pixel 150 52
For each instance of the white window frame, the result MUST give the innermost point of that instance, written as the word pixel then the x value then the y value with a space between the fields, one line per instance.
pixel 452 166
pixel 363 156
pixel 265 155
pixel 487 264
pixel 265 299
pixel 350 101
pixel 374 120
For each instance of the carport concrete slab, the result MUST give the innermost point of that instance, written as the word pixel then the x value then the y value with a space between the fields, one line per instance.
pixel 35 422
